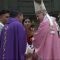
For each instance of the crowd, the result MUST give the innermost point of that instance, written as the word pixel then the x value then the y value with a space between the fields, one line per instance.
pixel 16 32
pixel 20 41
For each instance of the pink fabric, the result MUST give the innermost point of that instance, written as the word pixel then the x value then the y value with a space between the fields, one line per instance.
pixel 47 43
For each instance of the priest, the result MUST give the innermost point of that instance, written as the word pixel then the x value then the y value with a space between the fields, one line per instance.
pixel 13 39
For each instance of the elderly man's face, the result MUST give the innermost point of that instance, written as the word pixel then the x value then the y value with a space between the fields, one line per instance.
pixel 40 16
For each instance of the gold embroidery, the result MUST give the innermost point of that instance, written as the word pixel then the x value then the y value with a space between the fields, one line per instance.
pixel 4 43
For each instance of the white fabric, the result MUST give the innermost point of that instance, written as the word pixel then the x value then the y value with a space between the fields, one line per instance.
pixel 29 49
pixel 1 24
pixel 54 20
pixel 42 5
pixel 50 20
pixel 36 6
pixel 1 27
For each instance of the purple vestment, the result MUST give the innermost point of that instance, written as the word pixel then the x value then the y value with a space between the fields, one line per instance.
pixel 13 41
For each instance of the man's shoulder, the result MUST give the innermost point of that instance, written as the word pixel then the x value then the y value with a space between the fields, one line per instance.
pixel 17 24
